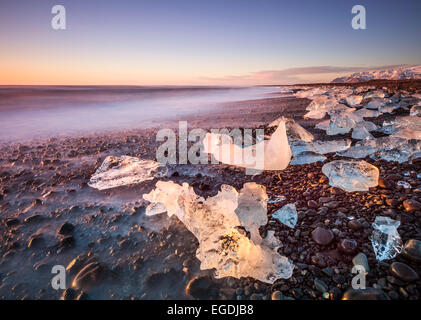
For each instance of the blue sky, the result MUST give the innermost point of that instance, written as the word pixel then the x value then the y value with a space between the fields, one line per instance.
pixel 202 42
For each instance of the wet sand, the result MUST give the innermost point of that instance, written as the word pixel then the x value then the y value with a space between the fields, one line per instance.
pixel 49 216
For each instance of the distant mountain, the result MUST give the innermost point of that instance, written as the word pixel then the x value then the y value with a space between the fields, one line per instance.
pixel 403 73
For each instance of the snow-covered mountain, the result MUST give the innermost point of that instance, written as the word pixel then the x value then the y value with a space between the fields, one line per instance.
pixel 403 73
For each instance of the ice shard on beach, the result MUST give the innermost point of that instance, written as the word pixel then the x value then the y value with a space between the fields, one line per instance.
pixel 287 215
pixel 272 154
pixel 386 241
pixel 361 133
pixel 320 147
pixel 354 100
pixel 391 148
pixel 122 171
pixel 295 132
pixel 351 175
pixel 219 222
pixel 307 157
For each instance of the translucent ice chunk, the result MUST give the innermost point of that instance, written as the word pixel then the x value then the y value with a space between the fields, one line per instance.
pixel 416 110
pixel 392 148
pixel 307 157
pixel 403 184
pixel 277 199
pixel 354 100
pixel 319 106
pixel 370 126
pixel 323 125
pixel 366 113
pixel 351 175
pixel 272 154
pixel 386 241
pixel 219 223
pixel 341 123
pixel 295 132
pixel 376 103
pixel 358 152
pixel 121 171
pixel 361 133
pixel 287 215
pixel 320 147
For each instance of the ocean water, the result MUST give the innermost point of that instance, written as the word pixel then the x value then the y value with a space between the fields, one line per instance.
pixel 28 112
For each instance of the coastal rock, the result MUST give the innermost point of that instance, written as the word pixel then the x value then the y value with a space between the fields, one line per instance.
pixel 199 287
pixel 361 260
pixel 412 250
pixel 90 275
pixel 65 229
pixel 365 294
pixel 322 236
pixel 411 205
pixel 348 246
pixel 403 272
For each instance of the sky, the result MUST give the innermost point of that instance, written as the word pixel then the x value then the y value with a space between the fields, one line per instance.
pixel 197 42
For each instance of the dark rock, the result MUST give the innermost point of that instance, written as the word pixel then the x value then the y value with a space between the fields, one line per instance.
pixel 412 250
pixel 403 271
pixel 277 295
pixel 320 285
pixel 89 276
pixel 11 222
pixel 35 240
pixel 355 224
pixel 411 205
pixel 322 236
pixel 68 294
pixel 66 229
pixel 199 287
pixel 348 246
pixel 67 241
pixel 33 219
pixel 365 294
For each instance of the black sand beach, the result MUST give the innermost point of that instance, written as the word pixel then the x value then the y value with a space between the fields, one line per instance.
pixel 49 216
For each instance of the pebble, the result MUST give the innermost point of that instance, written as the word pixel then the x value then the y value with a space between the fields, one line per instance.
pixel 412 250
pixel 322 236
pixel 66 229
pixel 411 205
pixel 365 294
pixel 348 246
pixel 361 259
pixel 277 295
pixel 403 272
pixel 199 287
pixel 90 275
pixel 320 285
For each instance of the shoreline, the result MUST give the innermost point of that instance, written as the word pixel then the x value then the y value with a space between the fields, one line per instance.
pixel 44 186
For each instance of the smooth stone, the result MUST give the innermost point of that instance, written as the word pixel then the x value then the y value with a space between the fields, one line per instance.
pixel 355 224
pixel 412 250
pixel 277 295
pixel 199 287
pixel 365 294
pixel 320 285
pixel 90 275
pixel 348 246
pixel 403 272
pixel 411 205
pixel 66 229
pixel 322 236
pixel 361 260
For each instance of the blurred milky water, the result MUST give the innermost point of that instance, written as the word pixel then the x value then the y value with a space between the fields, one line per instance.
pixel 28 112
